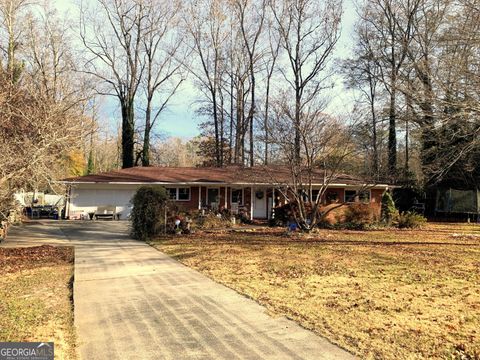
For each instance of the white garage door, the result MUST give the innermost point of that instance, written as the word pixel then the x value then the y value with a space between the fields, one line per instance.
pixel 87 200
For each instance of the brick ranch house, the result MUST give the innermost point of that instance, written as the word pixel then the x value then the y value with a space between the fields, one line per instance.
pixel 254 190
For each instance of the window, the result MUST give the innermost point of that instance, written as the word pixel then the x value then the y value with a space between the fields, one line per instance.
pixel 355 195
pixel 237 196
pixel 350 195
pixel 305 195
pixel 178 194
pixel 364 196
pixel 332 196
pixel 183 194
pixel 172 193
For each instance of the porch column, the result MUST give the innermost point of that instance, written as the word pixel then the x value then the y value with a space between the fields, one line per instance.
pixel 272 215
pixel 226 194
pixel 251 203
pixel 67 205
pixel 199 197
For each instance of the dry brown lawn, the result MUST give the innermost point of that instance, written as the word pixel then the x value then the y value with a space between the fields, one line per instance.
pixel 35 297
pixel 386 294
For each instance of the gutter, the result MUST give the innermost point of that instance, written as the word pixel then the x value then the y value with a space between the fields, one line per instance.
pixel 381 186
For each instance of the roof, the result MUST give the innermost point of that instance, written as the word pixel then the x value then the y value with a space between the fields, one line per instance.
pixel 207 175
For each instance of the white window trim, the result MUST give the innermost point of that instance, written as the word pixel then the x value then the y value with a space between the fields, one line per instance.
pixel 357 192
pixel 369 197
pixel 168 192
pixel 177 194
pixel 243 195
pixel 189 193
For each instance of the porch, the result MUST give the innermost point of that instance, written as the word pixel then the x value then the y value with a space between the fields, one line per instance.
pixel 256 201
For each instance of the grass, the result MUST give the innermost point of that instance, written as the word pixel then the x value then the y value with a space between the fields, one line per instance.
pixel 35 297
pixel 386 294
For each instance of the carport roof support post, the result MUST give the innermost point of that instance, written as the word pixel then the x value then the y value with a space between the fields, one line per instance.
pixel 251 203
pixel 200 197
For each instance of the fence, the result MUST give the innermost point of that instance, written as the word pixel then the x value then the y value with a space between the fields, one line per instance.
pixel 458 201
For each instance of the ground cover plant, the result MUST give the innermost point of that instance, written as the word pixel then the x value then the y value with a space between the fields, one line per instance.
pixel 35 297
pixel 383 294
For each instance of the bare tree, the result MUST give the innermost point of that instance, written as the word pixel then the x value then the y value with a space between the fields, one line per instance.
pixel 445 90
pixel 251 28
pixel 13 12
pixel 364 73
pixel 269 63
pixel 309 30
pixel 326 145
pixel 390 26
pixel 113 36
pixel 44 114
pixel 206 24
pixel 161 44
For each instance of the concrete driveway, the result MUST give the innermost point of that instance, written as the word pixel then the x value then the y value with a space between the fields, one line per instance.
pixel 134 302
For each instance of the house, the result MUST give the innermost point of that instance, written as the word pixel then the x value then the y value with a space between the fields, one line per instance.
pixel 254 190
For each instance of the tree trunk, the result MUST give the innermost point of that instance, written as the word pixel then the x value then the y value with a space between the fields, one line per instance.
pixel 265 121
pixel 408 101
pixel 376 167
pixel 296 150
pixel 392 134
pixel 251 113
pixel 222 137
pixel 428 137
pixel 230 144
pixel 215 122
pixel 146 136
pixel 128 133
pixel 239 125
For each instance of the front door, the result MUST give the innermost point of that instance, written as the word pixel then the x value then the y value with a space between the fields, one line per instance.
pixel 260 204
pixel 213 198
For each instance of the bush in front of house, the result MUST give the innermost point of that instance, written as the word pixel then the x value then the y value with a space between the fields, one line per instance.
pixel 148 211
pixel 388 212
pixel 283 214
pixel 358 216
pixel 410 220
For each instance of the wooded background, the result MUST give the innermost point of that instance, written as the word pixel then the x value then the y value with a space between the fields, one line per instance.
pixel 264 72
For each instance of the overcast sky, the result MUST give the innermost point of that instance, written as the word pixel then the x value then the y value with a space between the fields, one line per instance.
pixel 180 119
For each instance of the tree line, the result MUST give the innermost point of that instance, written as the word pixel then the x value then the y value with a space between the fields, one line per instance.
pixel 44 102
pixel 415 66
pixel 264 70
pixel 264 73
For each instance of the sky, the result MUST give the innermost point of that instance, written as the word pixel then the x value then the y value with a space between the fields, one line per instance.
pixel 180 120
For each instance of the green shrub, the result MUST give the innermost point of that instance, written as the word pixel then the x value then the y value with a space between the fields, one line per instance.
pixel 410 220
pixel 389 211
pixel 148 211
pixel 358 216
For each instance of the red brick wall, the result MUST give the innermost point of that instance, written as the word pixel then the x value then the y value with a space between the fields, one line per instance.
pixel 376 200
pixel 192 204
pixel 377 196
